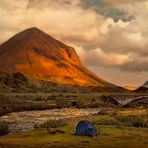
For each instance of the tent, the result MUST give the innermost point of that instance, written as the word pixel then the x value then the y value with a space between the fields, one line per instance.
pixel 86 128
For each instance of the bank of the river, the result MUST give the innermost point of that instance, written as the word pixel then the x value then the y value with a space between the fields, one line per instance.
pixel 25 121
pixel 119 128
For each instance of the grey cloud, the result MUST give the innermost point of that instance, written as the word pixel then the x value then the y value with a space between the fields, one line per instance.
pixel 98 39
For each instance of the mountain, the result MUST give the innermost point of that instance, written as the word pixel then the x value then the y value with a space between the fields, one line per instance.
pixel 143 88
pixel 139 102
pixel 145 84
pixel 132 88
pixel 38 56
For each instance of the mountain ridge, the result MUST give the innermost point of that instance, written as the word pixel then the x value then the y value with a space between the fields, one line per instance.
pixel 41 57
pixel 143 88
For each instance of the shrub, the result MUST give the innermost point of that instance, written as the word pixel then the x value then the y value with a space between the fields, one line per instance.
pixel 73 103
pixel 136 121
pixel 53 124
pixel 80 104
pixel 3 128
pixel 103 112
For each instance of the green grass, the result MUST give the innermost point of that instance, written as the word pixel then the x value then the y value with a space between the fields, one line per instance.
pixel 115 133
pixel 111 137
pixel 122 117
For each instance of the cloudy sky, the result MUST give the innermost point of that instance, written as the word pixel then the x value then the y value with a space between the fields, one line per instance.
pixel 110 36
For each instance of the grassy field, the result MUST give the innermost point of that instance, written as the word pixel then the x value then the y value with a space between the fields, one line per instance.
pixel 111 137
pixel 115 125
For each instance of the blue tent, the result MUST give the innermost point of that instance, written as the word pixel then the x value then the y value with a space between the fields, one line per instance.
pixel 86 128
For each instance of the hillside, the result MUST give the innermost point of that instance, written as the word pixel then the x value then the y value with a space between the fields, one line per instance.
pixel 143 88
pixel 40 57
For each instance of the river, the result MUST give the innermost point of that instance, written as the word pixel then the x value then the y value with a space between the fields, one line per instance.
pixel 25 121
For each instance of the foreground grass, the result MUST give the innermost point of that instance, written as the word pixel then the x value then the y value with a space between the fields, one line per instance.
pixel 111 137
pixel 115 125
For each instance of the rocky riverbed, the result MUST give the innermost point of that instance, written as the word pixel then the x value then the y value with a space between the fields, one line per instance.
pixel 25 121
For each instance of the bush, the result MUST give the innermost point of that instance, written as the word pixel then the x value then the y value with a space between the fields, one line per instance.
pixel 52 124
pixel 80 104
pixel 3 128
pixel 136 121
pixel 103 112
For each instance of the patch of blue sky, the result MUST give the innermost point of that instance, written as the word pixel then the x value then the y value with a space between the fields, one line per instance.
pixel 108 10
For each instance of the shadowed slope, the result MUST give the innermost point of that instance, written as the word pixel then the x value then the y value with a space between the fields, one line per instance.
pixel 143 88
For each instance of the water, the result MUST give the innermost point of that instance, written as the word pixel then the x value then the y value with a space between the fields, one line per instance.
pixel 25 121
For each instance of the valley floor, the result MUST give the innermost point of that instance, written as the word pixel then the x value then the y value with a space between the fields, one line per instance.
pixel 16 102
pixel 119 128
pixel 111 137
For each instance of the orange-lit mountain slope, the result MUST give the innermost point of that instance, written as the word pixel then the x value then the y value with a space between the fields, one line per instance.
pixel 41 57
